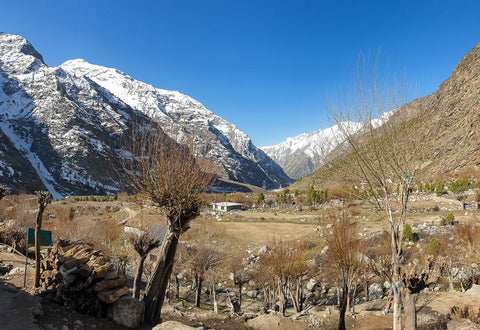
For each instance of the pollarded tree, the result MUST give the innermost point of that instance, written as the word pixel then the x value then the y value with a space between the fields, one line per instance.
pixel 172 178
pixel 143 244
pixel 386 145
pixel 238 265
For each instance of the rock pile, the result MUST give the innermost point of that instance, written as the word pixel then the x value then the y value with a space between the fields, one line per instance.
pixel 83 279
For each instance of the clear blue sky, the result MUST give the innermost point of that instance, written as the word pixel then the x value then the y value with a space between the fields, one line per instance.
pixel 265 66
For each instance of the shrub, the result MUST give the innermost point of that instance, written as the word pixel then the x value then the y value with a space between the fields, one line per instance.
pixel 443 222
pixel 450 218
pixel 439 188
pixel 433 246
pixel 260 198
pixel 70 213
pixel 408 233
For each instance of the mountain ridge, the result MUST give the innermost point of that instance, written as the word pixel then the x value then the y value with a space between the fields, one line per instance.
pixel 68 121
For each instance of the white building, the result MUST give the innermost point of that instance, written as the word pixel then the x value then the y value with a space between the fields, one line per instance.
pixel 226 206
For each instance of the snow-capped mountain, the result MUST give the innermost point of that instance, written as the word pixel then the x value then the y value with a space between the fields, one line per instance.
pixel 300 155
pixel 63 127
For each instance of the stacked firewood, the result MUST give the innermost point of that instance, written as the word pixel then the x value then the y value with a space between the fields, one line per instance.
pixel 82 278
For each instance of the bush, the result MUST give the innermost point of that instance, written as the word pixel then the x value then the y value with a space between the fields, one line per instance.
pixel 439 188
pixel 450 218
pixel 461 185
pixel 443 222
pixel 433 246
pixel 408 233
pixel 70 213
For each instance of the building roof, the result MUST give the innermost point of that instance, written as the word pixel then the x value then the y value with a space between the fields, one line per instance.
pixel 227 204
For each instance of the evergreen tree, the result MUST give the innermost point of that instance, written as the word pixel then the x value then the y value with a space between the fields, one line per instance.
pixel 311 196
pixel 260 198
pixel 408 233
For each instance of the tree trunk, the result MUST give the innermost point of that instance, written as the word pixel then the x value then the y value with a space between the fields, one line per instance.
pixel 177 287
pixel 155 291
pixel 38 226
pixel 300 296
pixel 240 295
pixel 410 311
pixel 137 283
pixel 365 284
pixel 343 309
pixel 352 299
pixel 193 286
pixel 338 295
pixel 282 300
pixel 215 305
pixel 397 301
pixel 198 291
pixel 450 281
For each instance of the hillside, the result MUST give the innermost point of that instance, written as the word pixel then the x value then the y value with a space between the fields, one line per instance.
pixel 64 128
pixel 453 127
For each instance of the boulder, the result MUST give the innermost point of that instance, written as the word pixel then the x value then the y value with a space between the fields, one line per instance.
pixel 127 311
pixel 375 291
pixel 311 284
pixel 262 250
pixel 252 293
pixel 17 270
pixel 172 325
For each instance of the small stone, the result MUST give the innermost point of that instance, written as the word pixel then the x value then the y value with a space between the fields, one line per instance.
pixel 65 327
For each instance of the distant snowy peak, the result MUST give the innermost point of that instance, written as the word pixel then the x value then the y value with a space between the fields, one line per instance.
pixel 300 155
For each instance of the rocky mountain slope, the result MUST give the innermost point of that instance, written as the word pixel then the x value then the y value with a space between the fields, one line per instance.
pixel 453 128
pixel 62 128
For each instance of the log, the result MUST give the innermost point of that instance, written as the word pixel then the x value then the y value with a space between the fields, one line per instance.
pixel 84 270
pixel 111 296
pixel 111 275
pixel 109 284
pixel 99 261
pixel 101 271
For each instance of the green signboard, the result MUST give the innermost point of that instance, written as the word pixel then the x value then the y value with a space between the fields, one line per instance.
pixel 45 237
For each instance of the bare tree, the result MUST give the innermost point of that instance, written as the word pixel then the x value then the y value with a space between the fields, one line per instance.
pixel 169 174
pixel 386 148
pixel 43 199
pixel 142 244
pixel 344 256
pixel 202 254
pixel 238 266
pixel 282 270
